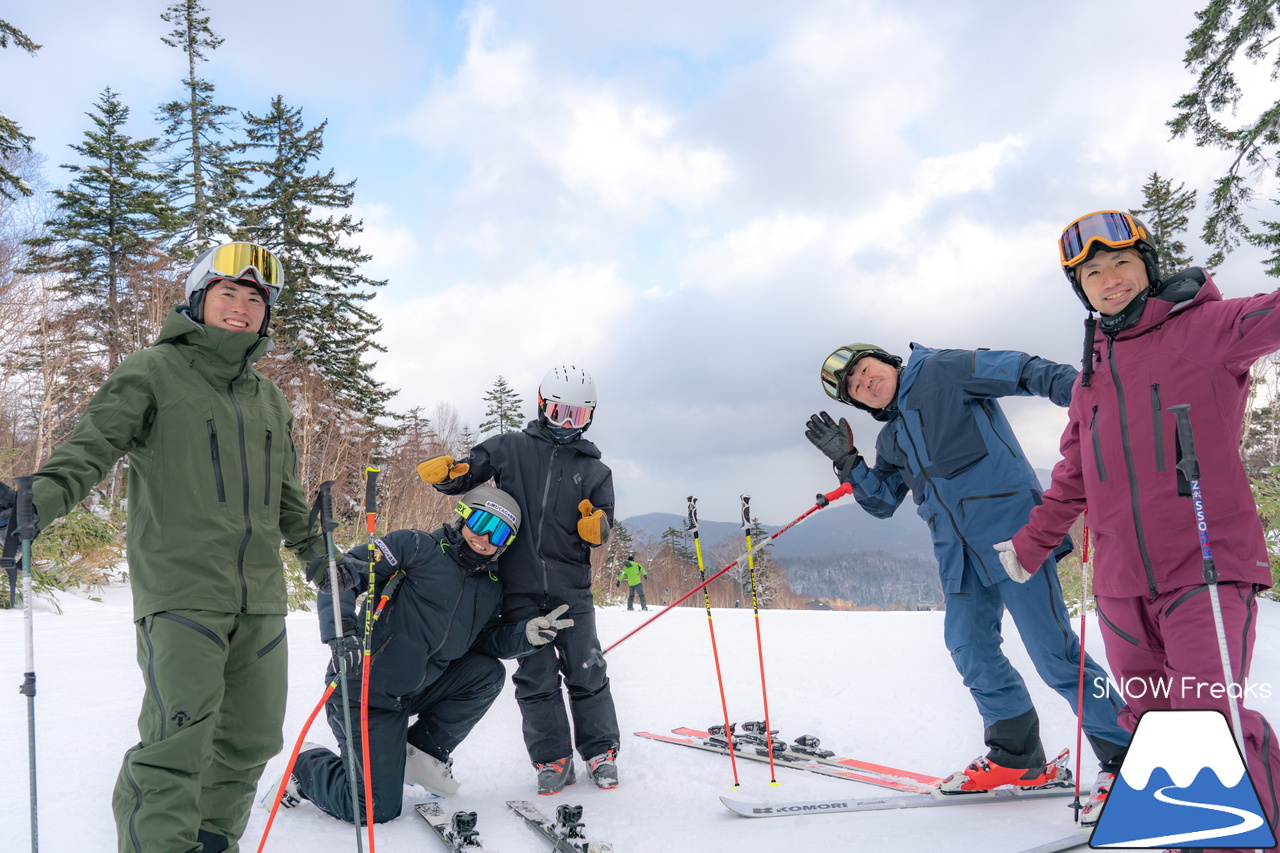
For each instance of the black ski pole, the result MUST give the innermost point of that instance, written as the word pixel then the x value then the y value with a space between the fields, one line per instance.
pixel 327 525
pixel 25 515
pixel 1190 468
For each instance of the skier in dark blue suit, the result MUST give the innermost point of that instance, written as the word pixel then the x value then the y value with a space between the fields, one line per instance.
pixel 946 440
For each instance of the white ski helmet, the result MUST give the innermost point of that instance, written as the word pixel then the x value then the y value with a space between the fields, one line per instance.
pixel 239 262
pixel 567 394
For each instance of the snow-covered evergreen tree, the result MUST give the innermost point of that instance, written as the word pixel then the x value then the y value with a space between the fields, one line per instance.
pixel 104 238
pixel 321 315
pixel 503 413
pixel 199 164
pixel 1164 210
pixel 12 139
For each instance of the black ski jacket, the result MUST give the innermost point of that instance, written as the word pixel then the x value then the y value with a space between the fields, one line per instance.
pixel 548 563
pixel 437 612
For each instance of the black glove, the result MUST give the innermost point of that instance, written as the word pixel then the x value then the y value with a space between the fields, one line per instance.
pixel 835 440
pixel 346 648
pixel 348 573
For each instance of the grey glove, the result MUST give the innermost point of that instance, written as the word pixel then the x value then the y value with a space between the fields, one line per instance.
pixel 835 440
pixel 541 630
pixel 1009 559
pixel 346 649
pixel 349 570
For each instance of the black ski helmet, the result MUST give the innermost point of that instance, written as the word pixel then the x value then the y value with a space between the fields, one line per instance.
pixel 835 370
pixel 1106 231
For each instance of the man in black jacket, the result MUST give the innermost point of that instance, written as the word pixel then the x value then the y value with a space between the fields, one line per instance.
pixel 435 650
pixel 567 496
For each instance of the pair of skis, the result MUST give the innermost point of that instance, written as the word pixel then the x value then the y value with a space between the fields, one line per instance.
pixel 566 834
pixel 919 790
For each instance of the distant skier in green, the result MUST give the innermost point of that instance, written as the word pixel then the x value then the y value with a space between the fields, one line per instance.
pixel 634 574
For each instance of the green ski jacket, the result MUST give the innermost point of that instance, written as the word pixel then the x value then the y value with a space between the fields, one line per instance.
pixel 213 487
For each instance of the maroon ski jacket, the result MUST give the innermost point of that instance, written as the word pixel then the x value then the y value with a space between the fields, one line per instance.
pixel 1118 452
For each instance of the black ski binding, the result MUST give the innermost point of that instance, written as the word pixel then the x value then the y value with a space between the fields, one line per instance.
pixel 809 745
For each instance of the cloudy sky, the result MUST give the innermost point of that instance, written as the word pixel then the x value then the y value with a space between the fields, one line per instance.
pixel 694 200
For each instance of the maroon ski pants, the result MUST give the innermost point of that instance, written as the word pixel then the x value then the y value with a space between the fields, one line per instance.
pixel 1164 655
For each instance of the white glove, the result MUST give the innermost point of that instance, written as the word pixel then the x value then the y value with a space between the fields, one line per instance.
pixel 541 630
pixel 1009 559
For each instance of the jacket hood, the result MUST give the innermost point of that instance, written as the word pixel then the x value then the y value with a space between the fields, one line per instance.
pixel 1191 287
pixel 223 349
pixel 536 429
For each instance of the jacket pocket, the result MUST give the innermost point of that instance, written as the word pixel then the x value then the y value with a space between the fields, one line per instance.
pixel 216 459
pixel 1097 447
pixel 1156 426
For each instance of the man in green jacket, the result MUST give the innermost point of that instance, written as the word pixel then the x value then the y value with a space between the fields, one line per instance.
pixel 634 574
pixel 213 491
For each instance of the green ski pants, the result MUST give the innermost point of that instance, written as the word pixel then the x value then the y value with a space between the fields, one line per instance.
pixel 212 714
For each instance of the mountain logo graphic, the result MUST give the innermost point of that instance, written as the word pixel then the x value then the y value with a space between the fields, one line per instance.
pixel 1182 784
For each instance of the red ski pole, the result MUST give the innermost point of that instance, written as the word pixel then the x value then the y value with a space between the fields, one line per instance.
pixel 692 525
pixel 822 501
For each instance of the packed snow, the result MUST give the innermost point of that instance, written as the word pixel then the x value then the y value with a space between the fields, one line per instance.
pixel 872 685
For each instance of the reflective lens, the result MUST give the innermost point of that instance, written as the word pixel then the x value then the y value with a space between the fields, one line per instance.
pixel 1112 228
pixel 834 371
pixel 559 413
pixel 235 259
pixel 484 523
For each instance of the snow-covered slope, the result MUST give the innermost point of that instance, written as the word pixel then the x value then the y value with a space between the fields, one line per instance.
pixel 877 686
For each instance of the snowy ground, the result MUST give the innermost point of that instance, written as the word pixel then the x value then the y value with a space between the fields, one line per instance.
pixel 876 686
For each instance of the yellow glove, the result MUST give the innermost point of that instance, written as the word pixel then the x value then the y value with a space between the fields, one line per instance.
pixel 437 469
pixel 594 524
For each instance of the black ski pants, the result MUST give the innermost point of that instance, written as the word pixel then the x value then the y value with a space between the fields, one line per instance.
pixel 537 681
pixel 447 711
pixel 631 596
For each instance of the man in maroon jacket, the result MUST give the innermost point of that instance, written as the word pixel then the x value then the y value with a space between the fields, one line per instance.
pixel 1156 345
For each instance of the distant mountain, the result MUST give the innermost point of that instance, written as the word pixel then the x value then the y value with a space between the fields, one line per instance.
pixel 839 529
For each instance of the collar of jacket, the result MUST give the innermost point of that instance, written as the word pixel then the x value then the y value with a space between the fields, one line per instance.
pixel 1179 292
pixel 536 430
pixel 219 354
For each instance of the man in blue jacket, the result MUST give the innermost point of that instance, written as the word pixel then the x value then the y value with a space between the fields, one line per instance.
pixel 946 440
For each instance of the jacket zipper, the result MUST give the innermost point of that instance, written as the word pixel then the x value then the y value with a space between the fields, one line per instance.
pixel 1157 425
pixel 995 431
pixel 244 485
pixel 546 490
pixel 266 493
pixel 1133 476
pixel 956 527
pixel 217 463
pixel 1097 447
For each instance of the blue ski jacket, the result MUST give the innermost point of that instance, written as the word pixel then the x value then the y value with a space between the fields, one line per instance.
pixel 946 440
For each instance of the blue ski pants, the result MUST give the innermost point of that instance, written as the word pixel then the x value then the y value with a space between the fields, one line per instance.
pixel 972 631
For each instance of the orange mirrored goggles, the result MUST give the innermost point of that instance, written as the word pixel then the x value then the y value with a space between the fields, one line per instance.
pixel 1111 228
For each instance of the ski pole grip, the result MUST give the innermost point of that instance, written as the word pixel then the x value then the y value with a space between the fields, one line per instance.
pixel 371 490
pixel 24 509
pixel 691 523
pixel 746 511
pixel 835 494
pixel 326 506
pixel 1188 465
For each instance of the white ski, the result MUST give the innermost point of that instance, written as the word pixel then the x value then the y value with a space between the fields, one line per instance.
pixel 458 832
pixel 894 801
pixel 566 832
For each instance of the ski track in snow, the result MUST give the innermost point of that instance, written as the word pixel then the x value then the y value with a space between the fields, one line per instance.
pixel 874 686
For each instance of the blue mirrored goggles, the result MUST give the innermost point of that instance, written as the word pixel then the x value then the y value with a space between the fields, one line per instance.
pixel 484 523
